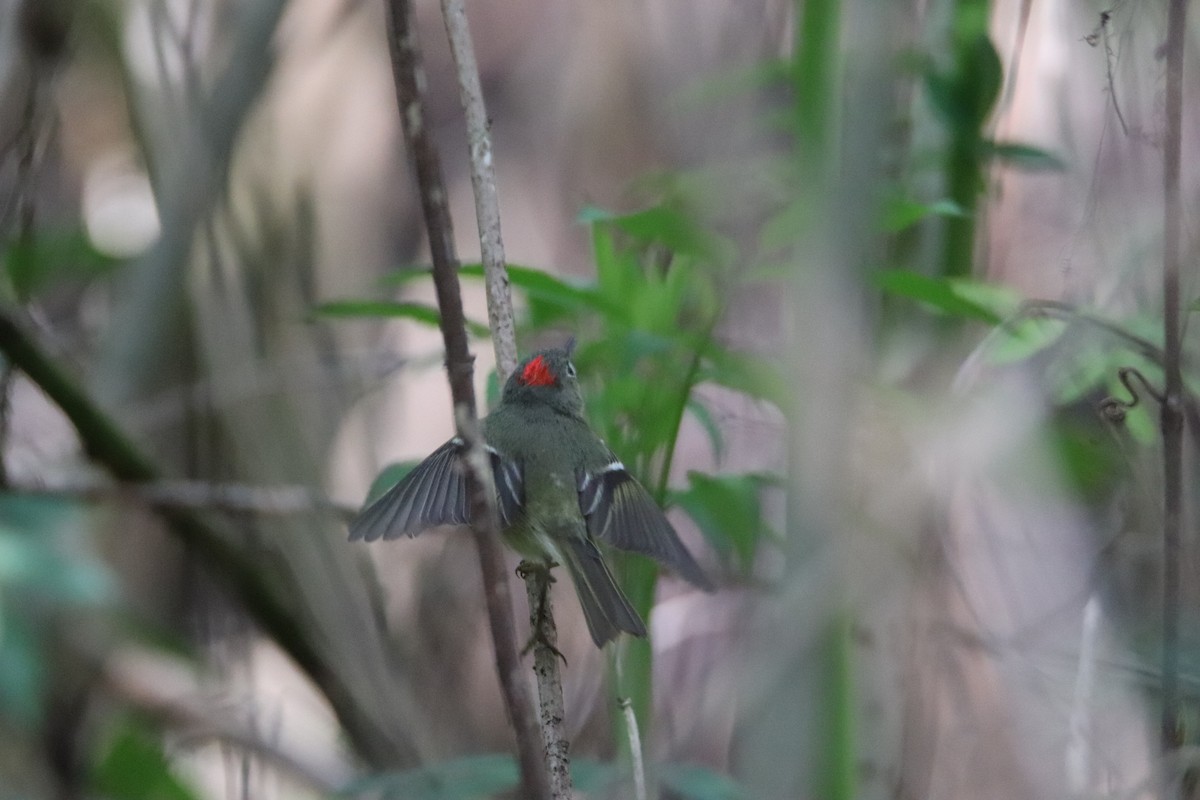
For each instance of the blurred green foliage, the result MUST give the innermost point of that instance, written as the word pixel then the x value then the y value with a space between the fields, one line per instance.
pixel 48 572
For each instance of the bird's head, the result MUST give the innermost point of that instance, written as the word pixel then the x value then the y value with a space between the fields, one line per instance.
pixel 547 377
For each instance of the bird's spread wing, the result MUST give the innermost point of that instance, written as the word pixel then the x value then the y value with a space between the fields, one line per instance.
pixel 620 512
pixel 435 493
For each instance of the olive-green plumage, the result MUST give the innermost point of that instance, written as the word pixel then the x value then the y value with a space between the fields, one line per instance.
pixel 559 488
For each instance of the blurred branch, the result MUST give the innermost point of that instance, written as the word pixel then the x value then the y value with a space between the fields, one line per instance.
pixel 187 179
pixel 1171 412
pixel 106 444
pixel 555 745
pixel 232 498
pixel 410 80
pixel 151 686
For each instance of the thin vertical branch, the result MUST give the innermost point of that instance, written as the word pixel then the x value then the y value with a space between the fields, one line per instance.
pixel 483 181
pixel 555 745
pixel 409 76
pixel 1171 417
pixel 635 749
pixel 551 709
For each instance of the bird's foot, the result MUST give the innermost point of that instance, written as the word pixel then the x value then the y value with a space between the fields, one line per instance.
pixel 541 620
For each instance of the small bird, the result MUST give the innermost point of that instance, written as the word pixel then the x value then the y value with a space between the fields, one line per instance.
pixel 559 489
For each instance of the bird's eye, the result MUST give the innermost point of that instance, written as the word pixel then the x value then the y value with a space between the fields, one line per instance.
pixel 570 370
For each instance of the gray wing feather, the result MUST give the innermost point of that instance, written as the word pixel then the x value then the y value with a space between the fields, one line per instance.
pixel 620 512
pixel 432 494
pixel 435 493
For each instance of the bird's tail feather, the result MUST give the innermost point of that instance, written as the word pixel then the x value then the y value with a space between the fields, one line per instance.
pixel 605 606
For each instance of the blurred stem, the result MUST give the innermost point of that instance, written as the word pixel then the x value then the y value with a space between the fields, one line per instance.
pixel 633 659
pixel 677 413
pixel 635 747
pixel 106 444
pixel 1171 416
pixel 974 89
pixel 408 73
pixel 815 80
pixel 836 773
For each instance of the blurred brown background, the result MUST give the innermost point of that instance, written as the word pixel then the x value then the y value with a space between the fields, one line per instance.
pixel 244 157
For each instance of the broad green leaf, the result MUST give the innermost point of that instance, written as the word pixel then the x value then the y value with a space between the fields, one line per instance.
pixel 1001 302
pixel 1025 157
pixel 938 293
pixel 1082 372
pixel 544 286
pixel 694 782
pixel 728 511
pixel 391 309
pixel 1090 458
pixel 52 257
pixel 464 778
pixel 742 372
pixel 135 768
pixel 963 96
pixel 1018 340
pixel 900 213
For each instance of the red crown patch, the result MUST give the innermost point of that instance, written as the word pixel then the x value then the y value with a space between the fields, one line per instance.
pixel 537 373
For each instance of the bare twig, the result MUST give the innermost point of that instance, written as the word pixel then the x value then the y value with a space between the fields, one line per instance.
pixel 483 181
pixel 545 667
pixel 635 749
pixel 1171 417
pixel 500 318
pixel 410 80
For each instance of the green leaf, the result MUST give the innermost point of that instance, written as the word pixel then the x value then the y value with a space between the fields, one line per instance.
pixel 728 511
pixel 699 783
pixel 704 416
pixel 460 779
pixel 53 257
pixel 391 309
pixel 938 293
pixel 23 670
pixel 900 213
pixel 999 301
pixel 742 372
pixel 1018 340
pixel 545 287
pixel 1024 157
pixel 387 478
pixel 1082 372
pixel 135 768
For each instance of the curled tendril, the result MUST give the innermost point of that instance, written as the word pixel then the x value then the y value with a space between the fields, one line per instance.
pixel 1114 408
